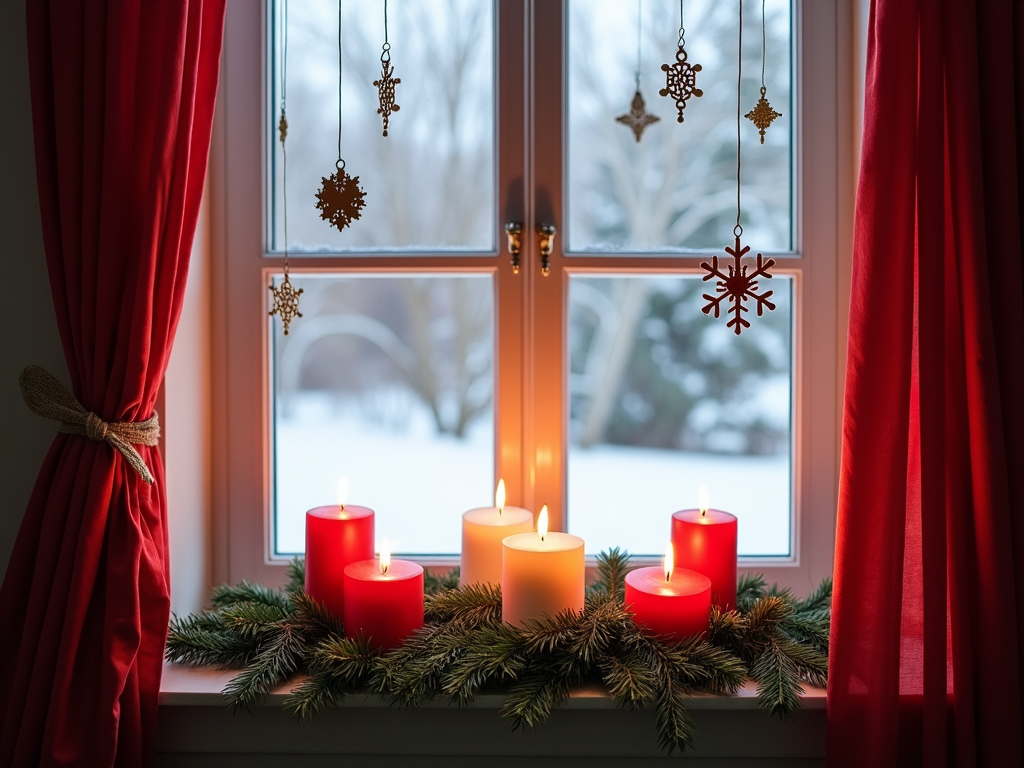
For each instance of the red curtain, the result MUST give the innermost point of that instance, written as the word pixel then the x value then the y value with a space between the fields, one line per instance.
pixel 123 97
pixel 928 618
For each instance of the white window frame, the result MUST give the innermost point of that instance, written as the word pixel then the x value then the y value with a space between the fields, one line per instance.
pixel 530 317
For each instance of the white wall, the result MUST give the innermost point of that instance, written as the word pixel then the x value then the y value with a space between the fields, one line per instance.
pixel 26 310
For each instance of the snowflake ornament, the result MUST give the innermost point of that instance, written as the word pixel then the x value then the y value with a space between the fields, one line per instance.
pixel 681 81
pixel 638 118
pixel 386 91
pixel 762 115
pixel 340 199
pixel 738 286
pixel 286 302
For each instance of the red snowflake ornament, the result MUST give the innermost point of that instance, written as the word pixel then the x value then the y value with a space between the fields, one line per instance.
pixel 738 286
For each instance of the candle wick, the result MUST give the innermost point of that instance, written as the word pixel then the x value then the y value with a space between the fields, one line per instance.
pixel 342 507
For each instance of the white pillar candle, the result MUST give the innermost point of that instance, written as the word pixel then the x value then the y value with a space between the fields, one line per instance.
pixel 542 574
pixel 483 530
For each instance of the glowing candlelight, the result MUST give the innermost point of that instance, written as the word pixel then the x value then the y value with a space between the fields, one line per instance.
pixel 499 496
pixel 670 561
pixel 384 556
pixel 542 522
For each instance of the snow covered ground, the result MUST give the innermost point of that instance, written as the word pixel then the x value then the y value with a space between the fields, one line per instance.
pixel 420 483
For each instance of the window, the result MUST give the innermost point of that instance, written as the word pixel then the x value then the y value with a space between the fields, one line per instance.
pixel 424 367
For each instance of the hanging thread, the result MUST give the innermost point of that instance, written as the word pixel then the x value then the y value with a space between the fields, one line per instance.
pixel 738 285
pixel 340 199
pixel 738 229
pixel 637 119
pixel 286 297
pixel 681 76
pixel 762 115
pixel 386 84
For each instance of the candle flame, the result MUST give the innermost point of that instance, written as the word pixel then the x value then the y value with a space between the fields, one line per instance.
pixel 542 522
pixel 703 500
pixel 670 561
pixel 499 496
pixel 342 491
pixel 385 556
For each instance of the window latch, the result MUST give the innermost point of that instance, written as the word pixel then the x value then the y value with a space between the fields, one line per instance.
pixel 547 245
pixel 514 231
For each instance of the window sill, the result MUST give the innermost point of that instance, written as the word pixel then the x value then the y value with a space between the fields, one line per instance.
pixel 202 686
pixel 196 729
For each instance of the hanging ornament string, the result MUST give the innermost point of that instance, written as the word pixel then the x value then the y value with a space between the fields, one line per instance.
pixel 286 296
pixel 681 77
pixel 738 286
pixel 340 199
pixel 637 119
pixel 386 84
pixel 762 115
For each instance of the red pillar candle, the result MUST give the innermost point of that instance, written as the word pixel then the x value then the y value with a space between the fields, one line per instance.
pixel 705 541
pixel 677 606
pixel 383 600
pixel 335 536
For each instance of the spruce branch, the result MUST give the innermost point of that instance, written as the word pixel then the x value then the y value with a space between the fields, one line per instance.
pixel 201 640
pixel 338 664
pixel 313 618
pixel 778 686
pixel 675 726
pixel 470 605
pixel 629 679
pixel 296 572
pixel 280 657
pixel 435 583
pixel 820 599
pixel 530 701
pixel 749 588
pixel 250 620
pixel 491 655
pixel 612 567
pixel 227 595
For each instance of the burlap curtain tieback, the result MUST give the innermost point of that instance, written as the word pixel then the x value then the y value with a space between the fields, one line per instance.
pixel 46 396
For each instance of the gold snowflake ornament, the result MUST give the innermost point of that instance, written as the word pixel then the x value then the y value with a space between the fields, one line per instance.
pixel 681 81
pixel 762 115
pixel 340 199
pixel 286 302
pixel 638 118
pixel 386 92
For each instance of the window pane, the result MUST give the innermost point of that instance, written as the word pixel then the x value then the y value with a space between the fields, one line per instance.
pixel 664 398
pixel 430 183
pixel 676 188
pixel 389 381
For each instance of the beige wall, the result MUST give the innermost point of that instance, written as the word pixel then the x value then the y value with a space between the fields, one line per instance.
pixel 26 309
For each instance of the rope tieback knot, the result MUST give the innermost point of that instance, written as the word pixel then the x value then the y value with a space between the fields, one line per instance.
pixel 47 397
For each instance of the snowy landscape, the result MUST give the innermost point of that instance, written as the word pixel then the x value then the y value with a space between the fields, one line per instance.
pixel 419 483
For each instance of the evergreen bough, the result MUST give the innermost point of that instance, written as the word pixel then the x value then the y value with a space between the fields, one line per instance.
pixel 464 648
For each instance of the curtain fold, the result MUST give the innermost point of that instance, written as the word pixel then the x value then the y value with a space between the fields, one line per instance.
pixel 928 616
pixel 123 95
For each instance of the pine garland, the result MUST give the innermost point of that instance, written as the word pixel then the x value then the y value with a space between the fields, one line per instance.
pixel 464 648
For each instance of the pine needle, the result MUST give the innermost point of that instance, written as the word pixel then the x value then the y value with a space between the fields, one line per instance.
pixel 529 702
pixel 612 567
pixel 202 640
pixel 226 595
pixel 296 572
pixel 434 583
pixel 819 599
pixel 749 588
pixel 279 658
pixel 778 686
pixel 471 606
